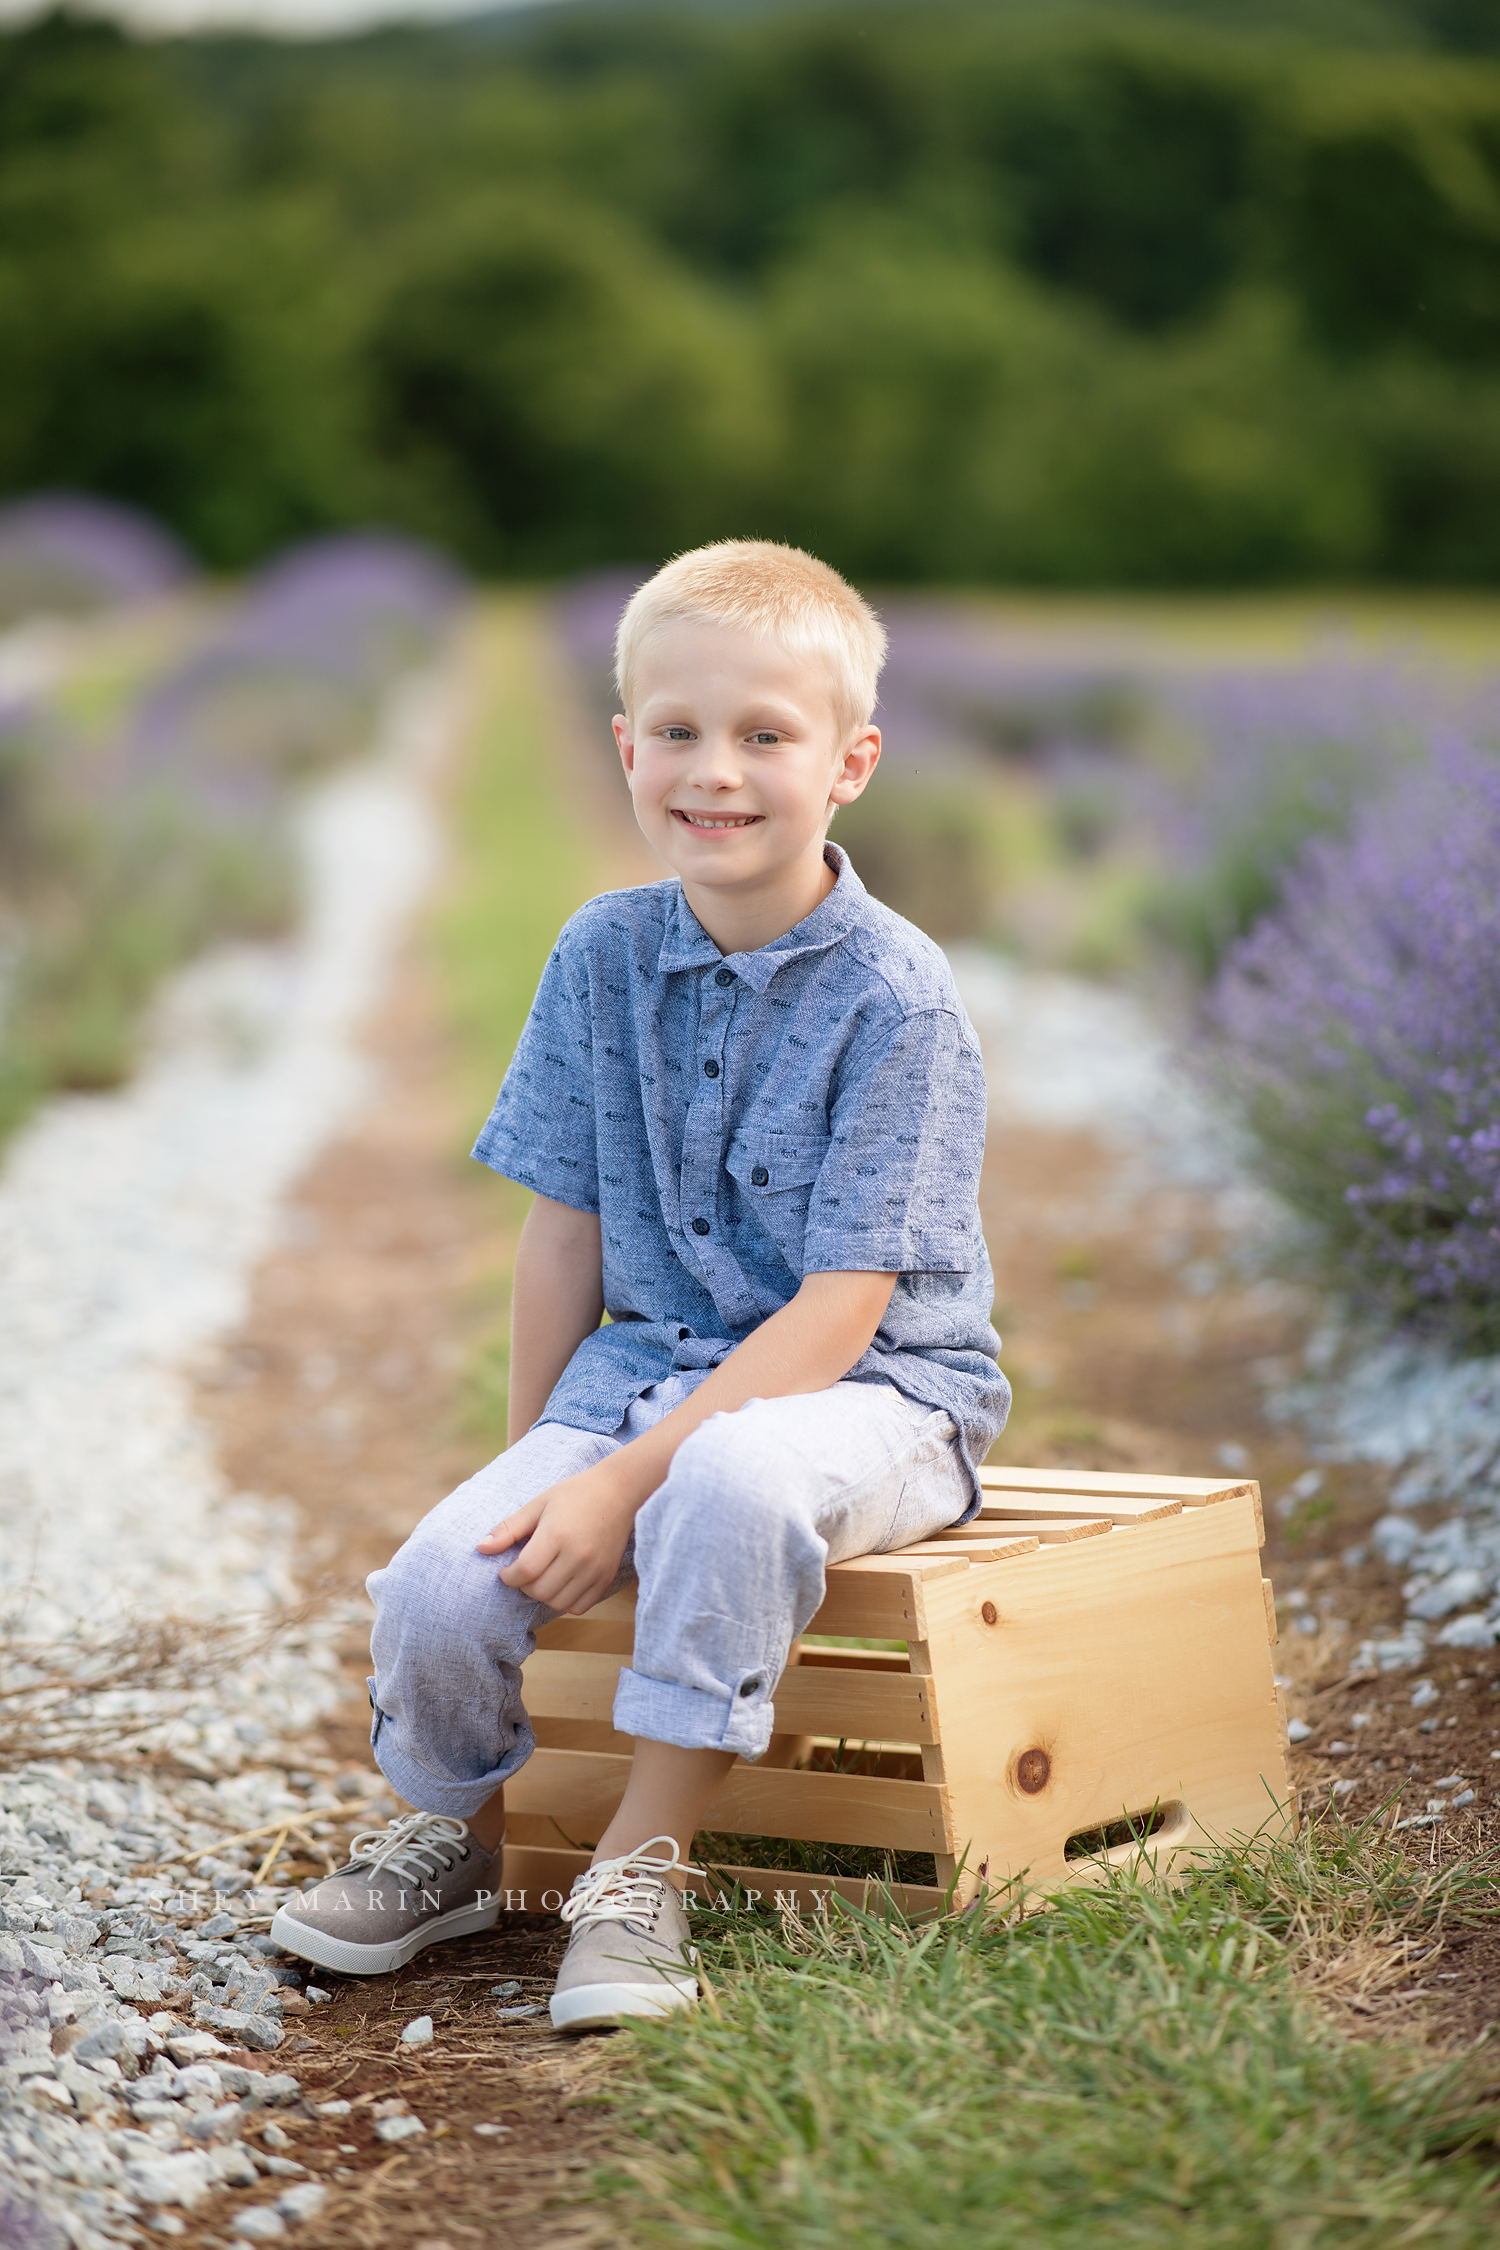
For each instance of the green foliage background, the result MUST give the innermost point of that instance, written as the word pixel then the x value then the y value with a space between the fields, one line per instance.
pixel 948 291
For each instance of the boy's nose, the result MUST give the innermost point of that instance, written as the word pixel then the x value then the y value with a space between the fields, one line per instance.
pixel 716 766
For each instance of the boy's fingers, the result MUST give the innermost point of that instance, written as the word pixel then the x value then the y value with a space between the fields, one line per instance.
pixel 511 1529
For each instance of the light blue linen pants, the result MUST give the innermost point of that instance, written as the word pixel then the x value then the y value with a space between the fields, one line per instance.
pixel 729 1554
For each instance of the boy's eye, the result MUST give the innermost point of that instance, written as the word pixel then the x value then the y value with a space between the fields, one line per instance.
pixel 678 734
pixel 766 736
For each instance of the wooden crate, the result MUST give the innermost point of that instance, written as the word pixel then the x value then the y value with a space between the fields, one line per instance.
pixel 1090 1648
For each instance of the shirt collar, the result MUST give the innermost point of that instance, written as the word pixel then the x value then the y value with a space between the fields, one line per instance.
pixel 687 945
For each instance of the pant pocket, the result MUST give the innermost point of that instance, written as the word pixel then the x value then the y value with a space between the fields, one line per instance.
pixel 935 1491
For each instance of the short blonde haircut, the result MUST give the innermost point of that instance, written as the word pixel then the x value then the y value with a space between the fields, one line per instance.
pixel 778 592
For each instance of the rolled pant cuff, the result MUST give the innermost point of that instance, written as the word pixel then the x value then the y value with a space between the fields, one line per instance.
pixel 664 1711
pixel 459 1799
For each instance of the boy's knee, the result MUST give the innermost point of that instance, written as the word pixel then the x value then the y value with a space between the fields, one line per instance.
pixel 440 1595
pixel 719 1482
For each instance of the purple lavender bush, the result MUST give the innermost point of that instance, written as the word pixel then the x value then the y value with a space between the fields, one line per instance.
pixel 119 861
pixel 293 677
pixel 1283 757
pixel 1358 1028
pixel 61 553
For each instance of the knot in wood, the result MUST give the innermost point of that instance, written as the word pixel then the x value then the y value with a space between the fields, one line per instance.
pixel 990 1614
pixel 1033 1771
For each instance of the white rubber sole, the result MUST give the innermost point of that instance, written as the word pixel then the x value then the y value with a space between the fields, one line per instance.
pixel 595 2007
pixel 378 1960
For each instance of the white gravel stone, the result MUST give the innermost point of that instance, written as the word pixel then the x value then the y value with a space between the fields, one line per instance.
pixel 418 2033
pixel 399 2128
pixel 261 2223
pixel 299 2204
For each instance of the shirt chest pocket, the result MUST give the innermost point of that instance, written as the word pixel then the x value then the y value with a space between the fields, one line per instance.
pixel 774 1176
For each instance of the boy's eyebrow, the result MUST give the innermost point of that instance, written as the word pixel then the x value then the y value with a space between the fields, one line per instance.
pixel 755 717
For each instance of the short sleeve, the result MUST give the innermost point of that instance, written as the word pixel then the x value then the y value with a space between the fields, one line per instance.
pixel 541 1129
pixel 898 1191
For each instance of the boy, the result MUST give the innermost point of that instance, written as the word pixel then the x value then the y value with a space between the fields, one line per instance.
pixel 751 1109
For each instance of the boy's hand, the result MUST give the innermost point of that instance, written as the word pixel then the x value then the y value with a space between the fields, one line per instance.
pixel 575 1534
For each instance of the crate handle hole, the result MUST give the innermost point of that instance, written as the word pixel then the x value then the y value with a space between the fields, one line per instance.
pixel 1118 1841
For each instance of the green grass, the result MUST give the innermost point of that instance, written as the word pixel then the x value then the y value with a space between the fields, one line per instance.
pixel 1140 2066
pixel 521 868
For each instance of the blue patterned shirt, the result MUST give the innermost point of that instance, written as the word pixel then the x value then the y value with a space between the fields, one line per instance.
pixel 741 1120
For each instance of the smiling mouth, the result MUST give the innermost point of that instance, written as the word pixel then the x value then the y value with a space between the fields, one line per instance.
pixel 716 822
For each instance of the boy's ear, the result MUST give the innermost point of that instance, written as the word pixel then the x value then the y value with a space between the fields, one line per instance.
pixel 624 740
pixel 860 758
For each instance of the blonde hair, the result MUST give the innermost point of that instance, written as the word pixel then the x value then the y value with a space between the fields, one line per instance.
pixel 767 589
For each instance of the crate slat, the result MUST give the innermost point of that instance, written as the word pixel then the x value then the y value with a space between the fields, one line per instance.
pixel 998 1546
pixel 1194 1492
pixel 613 1639
pixel 1007 1507
pixel 1050 1531
pixel 857 1705
pixel 580 1789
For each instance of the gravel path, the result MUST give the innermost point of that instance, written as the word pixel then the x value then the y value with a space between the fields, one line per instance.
pixel 138 2001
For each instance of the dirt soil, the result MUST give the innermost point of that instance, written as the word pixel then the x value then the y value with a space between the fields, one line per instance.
pixel 1131 1345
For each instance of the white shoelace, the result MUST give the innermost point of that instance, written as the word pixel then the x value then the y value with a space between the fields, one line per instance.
pixel 413 1848
pixel 627 1889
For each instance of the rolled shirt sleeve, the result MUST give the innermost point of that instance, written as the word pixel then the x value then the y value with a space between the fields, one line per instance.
pixel 897 1191
pixel 542 1130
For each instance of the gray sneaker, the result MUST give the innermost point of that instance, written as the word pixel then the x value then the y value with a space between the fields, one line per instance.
pixel 629 1953
pixel 413 1883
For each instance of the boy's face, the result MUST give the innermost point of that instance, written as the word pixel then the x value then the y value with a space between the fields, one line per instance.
pixel 734 756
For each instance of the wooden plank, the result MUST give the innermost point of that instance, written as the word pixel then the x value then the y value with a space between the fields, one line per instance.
pixel 1268 1596
pixel 999 1547
pixel 1008 1507
pixel 580 1789
pixel 571 1684
pixel 1194 1492
pixel 1135 1670
pixel 1049 1531
pixel 876 1599
pixel 607 1638
pixel 1120 1485
pixel 580 1734
pixel 537 1878
pixel 567 1685
pixel 855 1706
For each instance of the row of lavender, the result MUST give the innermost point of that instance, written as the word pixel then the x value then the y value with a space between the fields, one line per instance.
pixel 137 827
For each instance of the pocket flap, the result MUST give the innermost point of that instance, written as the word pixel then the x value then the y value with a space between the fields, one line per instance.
pixel 764 1162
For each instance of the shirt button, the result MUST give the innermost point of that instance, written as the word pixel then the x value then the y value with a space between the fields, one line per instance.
pixel 710 1070
pixel 760 1177
pixel 723 976
pixel 700 1226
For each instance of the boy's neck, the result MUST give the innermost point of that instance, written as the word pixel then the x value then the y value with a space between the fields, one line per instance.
pixel 743 921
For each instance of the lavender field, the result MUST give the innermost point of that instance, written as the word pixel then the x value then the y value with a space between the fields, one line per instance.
pixel 1220 885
